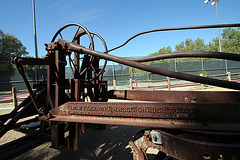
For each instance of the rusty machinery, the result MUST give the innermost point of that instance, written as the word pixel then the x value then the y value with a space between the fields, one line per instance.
pixel 181 124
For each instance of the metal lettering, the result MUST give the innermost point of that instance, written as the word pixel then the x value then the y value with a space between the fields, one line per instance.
pixel 132 110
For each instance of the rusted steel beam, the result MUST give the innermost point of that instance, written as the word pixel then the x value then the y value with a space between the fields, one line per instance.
pixel 183 76
pixel 32 95
pixel 60 77
pixel 73 138
pixel 176 96
pixel 30 61
pixel 147 122
pixel 57 134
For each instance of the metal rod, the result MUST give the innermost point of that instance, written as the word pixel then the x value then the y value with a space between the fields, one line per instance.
pixel 202 54
pixel 177 28
pixel 188 77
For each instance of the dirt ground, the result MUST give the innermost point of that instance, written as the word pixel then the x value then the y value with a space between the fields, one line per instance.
pixel 109 144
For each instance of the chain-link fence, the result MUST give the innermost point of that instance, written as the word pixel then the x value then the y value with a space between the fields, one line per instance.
pixel 122 73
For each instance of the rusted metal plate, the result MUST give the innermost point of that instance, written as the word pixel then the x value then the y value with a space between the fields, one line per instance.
pixel 200 112
pixel 176 96
pixel 148 110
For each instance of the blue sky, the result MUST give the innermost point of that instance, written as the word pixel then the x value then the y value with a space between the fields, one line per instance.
pixel 116 21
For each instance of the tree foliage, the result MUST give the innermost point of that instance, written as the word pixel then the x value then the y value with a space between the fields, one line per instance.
pixel 10 46
pixel 230 43
pixel 231 40
pixel 190 45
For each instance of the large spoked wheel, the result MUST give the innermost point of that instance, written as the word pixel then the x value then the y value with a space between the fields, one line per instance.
pixel 97 72
pixel 84 38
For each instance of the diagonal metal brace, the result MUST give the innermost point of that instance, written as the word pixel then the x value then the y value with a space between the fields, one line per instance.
pixel 22 73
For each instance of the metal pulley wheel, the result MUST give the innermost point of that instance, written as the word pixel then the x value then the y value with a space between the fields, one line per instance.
pixel 79 63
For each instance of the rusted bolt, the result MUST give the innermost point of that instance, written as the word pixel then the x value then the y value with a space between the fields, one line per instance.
pixel 154 137
pixel 186 99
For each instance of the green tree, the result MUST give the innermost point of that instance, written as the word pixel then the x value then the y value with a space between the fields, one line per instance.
pixel 10 46
pixel 213 46
pixel 189 45
pixel 230 41
pixel 163 50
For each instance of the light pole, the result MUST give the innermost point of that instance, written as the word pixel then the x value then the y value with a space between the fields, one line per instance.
pixel 35 39
pixel 219 36
pixel 215 2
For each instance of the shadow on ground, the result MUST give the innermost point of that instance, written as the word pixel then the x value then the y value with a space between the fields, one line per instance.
pixel 109 144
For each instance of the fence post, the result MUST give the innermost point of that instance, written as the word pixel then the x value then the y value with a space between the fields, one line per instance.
pixel 229 76
pixel 169 84
pixel 202 85
pixel 114 84
pixel 14 94
pixel 131 84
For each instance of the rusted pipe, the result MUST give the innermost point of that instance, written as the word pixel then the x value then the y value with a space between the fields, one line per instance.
pixel 202 54
pixel 176 28
pixel 178 75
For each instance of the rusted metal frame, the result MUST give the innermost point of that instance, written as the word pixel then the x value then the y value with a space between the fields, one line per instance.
pixel 57 134
pixel 103 91
pixel 176 96
pixel 147 122
pixel 96 86
pixel 32 95
pixel 73 138
pixel 72 88
pixel 77 92
pixel 202 54
pixel 176 28
pixel 178 75
pixel 77 88
pixel 184 147
pixel 50 81
pixel 82 77
pixel 60 77
pixel 90 85
pixel 31 61
pixel 58 73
